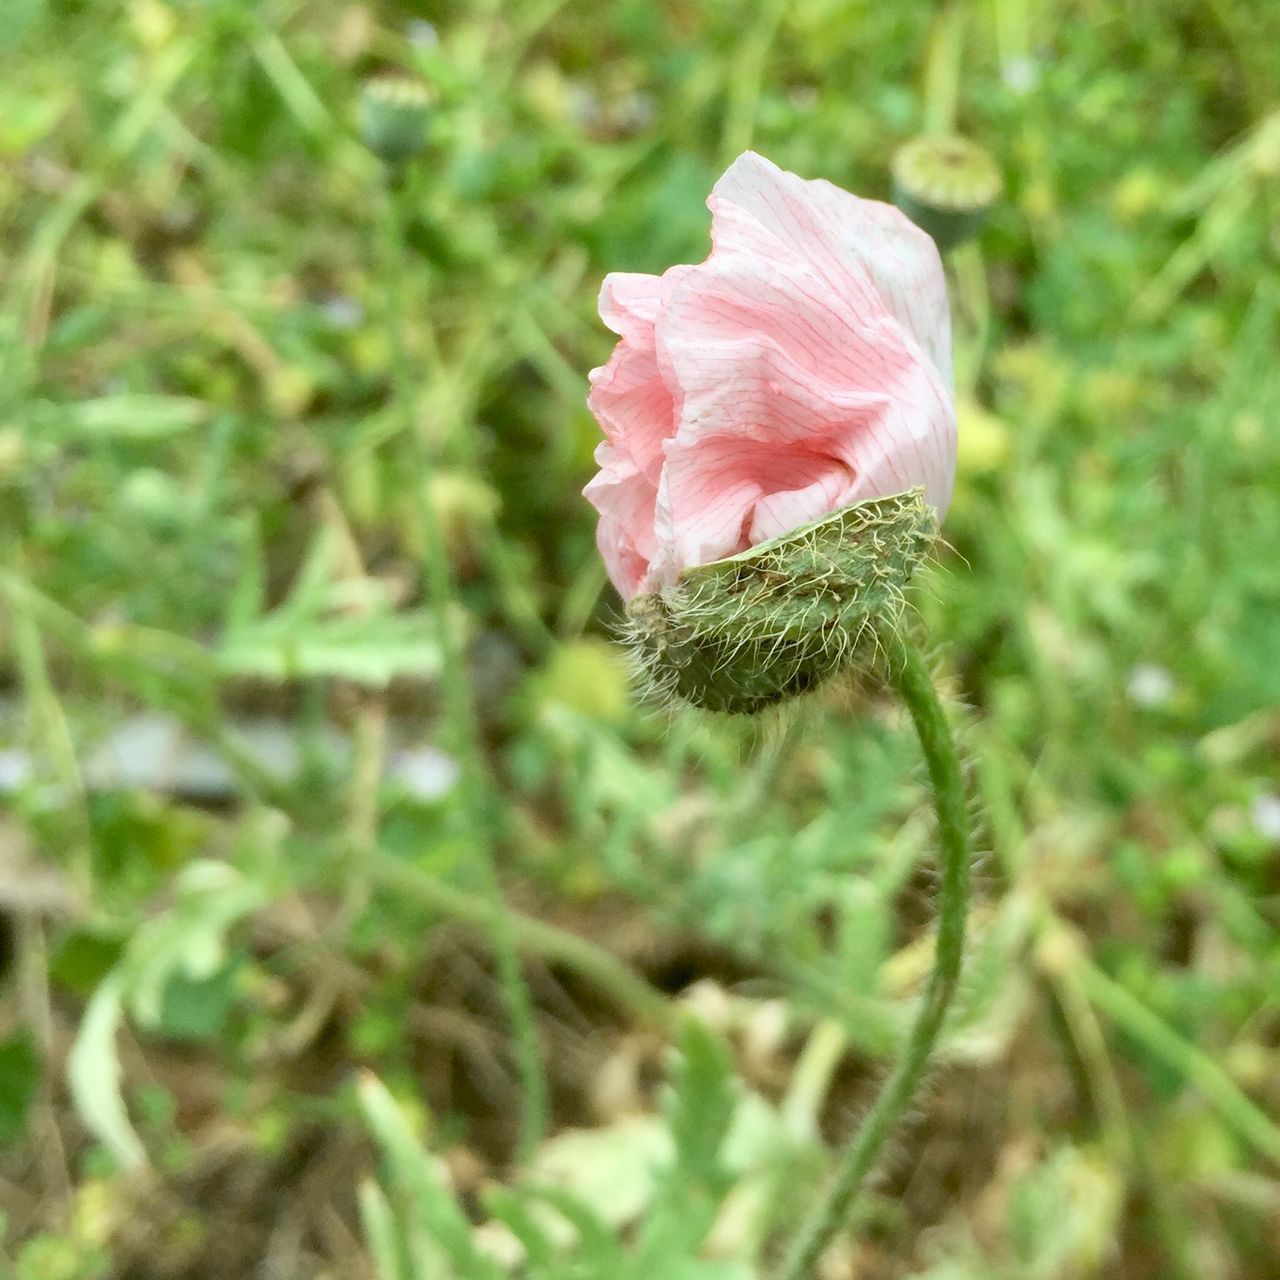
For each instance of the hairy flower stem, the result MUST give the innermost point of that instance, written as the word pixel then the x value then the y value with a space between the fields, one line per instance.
pixel 464 739
pixel 912 680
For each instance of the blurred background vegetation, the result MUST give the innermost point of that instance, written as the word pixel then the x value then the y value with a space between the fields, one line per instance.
pixel 250 1023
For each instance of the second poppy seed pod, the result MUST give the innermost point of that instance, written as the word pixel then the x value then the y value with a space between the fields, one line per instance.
pixel 757 628
pixel 394 114
pixel 945 185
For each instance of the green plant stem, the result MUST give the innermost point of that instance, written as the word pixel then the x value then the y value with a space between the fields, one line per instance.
pixel 550 943
pixel 943 68
pixel 974 298
pixel 913 682
pixel 1127 1012
pixel 49 723
pixel 379 1222
pixel 459 714
pixel 746 78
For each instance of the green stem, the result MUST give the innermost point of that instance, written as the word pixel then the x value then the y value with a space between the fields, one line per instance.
pixel 50 727
pixel 746 78
pixel 914 684
pixel 1126 1011
pixel 472 782
pixel 943 68
pixel 974 298
pixel 534 936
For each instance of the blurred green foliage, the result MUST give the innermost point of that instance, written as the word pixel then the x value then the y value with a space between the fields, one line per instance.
pixel 228 825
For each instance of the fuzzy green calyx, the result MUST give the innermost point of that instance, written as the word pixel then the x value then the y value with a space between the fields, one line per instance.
pixel 945 185
pixel 742 633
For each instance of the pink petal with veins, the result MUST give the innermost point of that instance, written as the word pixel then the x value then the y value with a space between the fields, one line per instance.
pixel 803 366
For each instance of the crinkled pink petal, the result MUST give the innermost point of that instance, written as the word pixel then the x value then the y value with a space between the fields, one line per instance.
pixel 628 396
pixel 803 366
pixel 627 567
pixel 625 498
pixel 635 408
pixel 850 242
pixel 732 492
pixel 629 303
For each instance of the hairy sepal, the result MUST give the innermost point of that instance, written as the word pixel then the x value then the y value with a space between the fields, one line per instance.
pixel 741 634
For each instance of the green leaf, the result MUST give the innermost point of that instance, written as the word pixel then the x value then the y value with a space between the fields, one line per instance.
pixel 327 626
pixel 379 1222
pixel 613 1172
pixel 82 960
pixel 186 941
pixel 437 1227
pixel 599 1252
pixel 126 417
pixel 247 598
pixel 514 1211
pixel 702 1103
pixel 195 1009
pixel 366 650
pixel 699 1110
pixel 94 1074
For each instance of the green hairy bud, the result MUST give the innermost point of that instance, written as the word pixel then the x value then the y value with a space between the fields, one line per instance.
pixel 778 619
pixel 945 185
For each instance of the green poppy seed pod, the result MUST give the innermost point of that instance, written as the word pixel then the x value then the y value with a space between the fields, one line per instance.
pixel 740 634
pixel 394 114
pixel 945 185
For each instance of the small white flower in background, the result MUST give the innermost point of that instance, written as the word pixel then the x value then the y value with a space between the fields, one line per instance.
pixel 424 772
pixel 15 770
pixel 341 311
pixel 1150 685
pixel 1021 74
pixel 1265 812
pixel 637 111
pixel 422 34
pixel 153 751
pixel 140 751
pixel 584 105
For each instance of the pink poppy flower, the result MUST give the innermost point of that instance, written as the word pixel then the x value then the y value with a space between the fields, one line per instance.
pixel 804 366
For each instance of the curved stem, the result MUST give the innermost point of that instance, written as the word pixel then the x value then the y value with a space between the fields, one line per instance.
pixel 472 785
pixel 913 682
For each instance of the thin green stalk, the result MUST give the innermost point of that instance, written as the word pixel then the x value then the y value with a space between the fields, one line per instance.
pixel 457 704
pixel 746 78
pixel 379 1222
pixel 942 72
pixel 547 941
pixel 974 298
pixel 1126 1011
pixel 911 677
pixel 49 723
